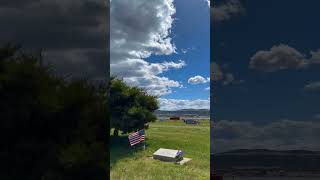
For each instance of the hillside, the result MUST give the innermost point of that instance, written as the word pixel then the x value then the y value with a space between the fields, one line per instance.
pixel 184 112
pixel 286 159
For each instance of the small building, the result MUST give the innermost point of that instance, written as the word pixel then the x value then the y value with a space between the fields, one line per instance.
pixel 174 118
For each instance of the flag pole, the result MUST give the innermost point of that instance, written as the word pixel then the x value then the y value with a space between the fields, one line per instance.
pixel 144 143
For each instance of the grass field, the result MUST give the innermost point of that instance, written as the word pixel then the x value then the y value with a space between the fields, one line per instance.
pixel 135 163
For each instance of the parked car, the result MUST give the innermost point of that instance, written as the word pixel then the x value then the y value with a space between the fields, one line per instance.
pixel 191 121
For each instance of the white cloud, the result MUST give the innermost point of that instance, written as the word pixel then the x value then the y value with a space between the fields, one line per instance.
pixel 216 73
pixel 227 10
pixel 166 65
pixel 176 104
pixel 198 80
pixel 139 29
pixel 278 58
pixel 207 89
pixel 184 51
pixel 225 77
pixel 281 57
pixel 208 2
pixel 317 116
pixel 229 78
pixel 280 135
pixel 315 57
pixel 312 86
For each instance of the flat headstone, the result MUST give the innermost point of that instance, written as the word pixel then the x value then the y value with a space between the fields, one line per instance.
pixel 183 161
pixel 169 155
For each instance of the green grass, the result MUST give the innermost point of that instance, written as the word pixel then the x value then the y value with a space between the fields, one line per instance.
pixel 203 123
pixel 135 163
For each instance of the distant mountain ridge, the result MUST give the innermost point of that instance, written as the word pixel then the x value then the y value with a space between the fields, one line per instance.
pixel 284 159
pixel 268 152
pixel 181 112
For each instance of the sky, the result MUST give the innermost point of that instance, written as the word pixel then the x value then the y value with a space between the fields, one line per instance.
pixel 162 47
pixel 71 33
pixel 265 57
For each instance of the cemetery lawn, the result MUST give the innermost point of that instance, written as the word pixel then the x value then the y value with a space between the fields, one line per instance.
pixel 193 140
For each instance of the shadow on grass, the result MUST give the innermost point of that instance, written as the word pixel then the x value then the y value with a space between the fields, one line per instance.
pixel 120 148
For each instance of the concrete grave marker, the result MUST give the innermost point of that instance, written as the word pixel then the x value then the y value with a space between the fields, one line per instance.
pixel 183 161
pixel 170 155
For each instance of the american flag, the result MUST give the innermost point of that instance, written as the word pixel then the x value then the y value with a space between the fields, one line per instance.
pixel 136 137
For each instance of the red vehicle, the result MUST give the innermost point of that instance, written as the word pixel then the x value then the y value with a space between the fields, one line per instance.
pixel 174 118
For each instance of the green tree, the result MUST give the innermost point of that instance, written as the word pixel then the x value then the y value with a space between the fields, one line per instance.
pixel 131 107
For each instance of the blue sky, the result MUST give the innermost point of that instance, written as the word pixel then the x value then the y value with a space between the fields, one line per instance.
pixel 191 36
pixel 271 48
pixel 164 47
pixel 268 95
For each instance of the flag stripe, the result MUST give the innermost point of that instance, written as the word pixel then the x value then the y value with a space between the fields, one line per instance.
pixel 136 137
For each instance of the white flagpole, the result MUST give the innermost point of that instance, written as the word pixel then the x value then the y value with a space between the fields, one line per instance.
pixel 144 143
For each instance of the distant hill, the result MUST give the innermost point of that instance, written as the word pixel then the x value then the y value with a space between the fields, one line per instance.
pixel 245 152
pixel 286 159
pixel 184 112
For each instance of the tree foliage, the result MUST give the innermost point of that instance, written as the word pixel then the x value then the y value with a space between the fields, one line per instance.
pixel 131 107
pixel 50 128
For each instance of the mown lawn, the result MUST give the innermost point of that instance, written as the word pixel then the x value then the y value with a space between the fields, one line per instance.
pixel 135 163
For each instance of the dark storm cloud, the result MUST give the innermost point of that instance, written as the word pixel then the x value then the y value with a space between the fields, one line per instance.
pixel 72 33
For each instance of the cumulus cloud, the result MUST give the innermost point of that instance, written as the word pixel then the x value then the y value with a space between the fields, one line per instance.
pixel 184 51
pixel 207 89
pixel 198 80
pixel 208 2
pixel 216 72
pixel 176 104
pixel 282 57
pixel 227 10
pixel 280 135
pixel 317 116
pixel 227 78
pixel 312 86
pixel 139 29
pixel 279 57
pixel 315 57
